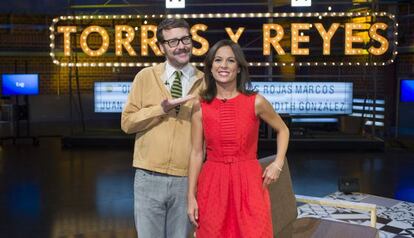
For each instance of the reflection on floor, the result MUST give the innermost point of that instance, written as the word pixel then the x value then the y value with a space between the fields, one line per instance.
pixel 47 191
pixel 395 218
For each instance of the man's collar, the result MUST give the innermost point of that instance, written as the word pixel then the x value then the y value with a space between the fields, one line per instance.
pixel 188 70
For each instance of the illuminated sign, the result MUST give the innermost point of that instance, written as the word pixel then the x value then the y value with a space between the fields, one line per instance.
pixel 292 39
pixel 174 3
pixel 301 3
pixel 110 96
pixel 303 98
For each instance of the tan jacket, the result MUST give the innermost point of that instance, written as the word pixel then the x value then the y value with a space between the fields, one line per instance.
pixel 162 141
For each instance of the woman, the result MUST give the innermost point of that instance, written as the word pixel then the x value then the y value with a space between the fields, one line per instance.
pixel 227 195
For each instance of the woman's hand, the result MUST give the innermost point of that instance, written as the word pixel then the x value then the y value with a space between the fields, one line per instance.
pixel 271 173
pixel 192 210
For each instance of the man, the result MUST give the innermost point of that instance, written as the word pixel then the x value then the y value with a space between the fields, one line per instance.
pixel 158 110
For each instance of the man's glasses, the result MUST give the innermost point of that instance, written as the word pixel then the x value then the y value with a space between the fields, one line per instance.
pixel 186 40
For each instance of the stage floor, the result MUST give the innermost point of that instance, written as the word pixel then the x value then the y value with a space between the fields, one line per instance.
pixel 50 191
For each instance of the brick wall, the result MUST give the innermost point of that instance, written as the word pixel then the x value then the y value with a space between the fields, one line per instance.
pixel 24 47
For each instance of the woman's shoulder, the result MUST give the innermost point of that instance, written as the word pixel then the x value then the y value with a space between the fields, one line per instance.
pixel 260 100
pixel 259 97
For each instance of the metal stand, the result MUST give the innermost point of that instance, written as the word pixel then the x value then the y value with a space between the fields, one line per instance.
pixel 18 113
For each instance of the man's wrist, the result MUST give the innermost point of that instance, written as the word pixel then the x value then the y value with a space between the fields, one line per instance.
pixel 164 106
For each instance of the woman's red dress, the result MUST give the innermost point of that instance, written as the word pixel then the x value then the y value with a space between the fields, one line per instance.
pixel 231 199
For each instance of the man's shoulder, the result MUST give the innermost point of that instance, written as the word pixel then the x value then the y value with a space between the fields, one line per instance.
pixel 153 68
pixel 197 74
pixel 146 72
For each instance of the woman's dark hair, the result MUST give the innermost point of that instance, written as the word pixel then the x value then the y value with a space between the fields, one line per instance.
pixel 243 80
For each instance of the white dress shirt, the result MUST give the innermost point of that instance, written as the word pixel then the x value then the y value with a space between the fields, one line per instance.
pixel 187 78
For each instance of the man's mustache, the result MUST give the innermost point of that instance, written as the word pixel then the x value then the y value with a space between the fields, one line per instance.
pixel 180 51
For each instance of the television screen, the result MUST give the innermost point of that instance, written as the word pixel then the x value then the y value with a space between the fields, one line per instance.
pixel 110 97
pixel 407 90
pixel 20 84
pixel 294 98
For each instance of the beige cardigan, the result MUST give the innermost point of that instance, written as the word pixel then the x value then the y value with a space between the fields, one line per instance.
pixel 163 140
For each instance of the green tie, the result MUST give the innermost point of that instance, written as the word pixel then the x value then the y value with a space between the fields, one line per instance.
pixel 177 89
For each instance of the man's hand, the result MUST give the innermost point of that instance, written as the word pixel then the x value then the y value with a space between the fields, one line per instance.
pixel 169 104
